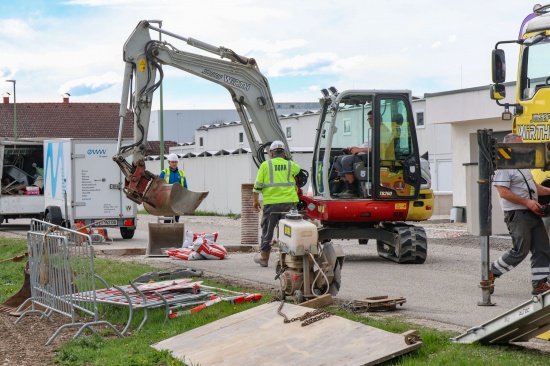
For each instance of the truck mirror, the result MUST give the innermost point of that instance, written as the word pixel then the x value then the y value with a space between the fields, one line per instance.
pixel 498 65
pixel 498 92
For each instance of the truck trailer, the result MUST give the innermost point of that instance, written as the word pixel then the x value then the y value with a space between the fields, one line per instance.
pixel 66 182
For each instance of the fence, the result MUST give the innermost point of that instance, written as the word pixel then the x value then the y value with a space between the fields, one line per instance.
pixel 61 263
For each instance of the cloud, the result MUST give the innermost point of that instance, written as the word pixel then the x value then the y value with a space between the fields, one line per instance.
pixel 452 38
pixel 314 63
pixel 16 29
pixel 105 2
pixel 436 44
pixel 89 85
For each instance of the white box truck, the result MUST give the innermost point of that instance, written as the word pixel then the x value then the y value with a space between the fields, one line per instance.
pixel 82 184
pixel 64 181
pixel 20 163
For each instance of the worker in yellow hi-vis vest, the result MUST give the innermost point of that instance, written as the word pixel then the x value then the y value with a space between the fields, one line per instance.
pixel 275 181
pixel 173 175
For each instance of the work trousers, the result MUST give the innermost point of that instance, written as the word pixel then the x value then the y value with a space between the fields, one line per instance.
pixel 344 163
pixel 528 235
pixel 271 216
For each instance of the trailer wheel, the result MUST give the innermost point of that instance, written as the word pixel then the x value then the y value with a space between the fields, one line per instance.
pixel 53 215
pixel 127 233
pixel 298 297
pixel 334 287
pixel 410 245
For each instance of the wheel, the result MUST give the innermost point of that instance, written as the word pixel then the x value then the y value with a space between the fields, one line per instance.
pixel 127 233
pixel 280 295
pixel 410 246
pixel 298 297
pixel 336 281
pixel 53 215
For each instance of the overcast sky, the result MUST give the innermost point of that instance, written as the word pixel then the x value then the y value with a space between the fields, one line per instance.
pixel 52 47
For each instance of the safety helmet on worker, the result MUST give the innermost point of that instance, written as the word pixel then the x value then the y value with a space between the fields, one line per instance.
pixel 277 145
pixel 173 157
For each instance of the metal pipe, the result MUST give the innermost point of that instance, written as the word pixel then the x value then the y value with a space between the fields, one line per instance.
pixel 485 223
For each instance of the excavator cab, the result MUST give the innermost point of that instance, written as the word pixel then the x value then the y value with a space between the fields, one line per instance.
pixel 381 122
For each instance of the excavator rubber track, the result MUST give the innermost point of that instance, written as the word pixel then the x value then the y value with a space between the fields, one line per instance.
pixel 410 245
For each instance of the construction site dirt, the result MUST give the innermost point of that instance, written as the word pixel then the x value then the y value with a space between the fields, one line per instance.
pixel 442 293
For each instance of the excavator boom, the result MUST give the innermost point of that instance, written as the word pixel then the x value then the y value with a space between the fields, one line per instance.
pixel 144 58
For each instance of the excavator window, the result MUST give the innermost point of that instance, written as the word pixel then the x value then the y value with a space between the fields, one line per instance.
pixel 395 149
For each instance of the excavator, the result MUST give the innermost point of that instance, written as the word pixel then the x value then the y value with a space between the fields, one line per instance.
pixel 392 179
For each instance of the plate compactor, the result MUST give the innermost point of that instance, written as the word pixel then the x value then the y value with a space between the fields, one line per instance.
pixel 306 268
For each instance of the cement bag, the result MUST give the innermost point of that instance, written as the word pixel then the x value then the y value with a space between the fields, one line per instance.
pixel 190 237
pixel 180 253
pixel 212 251
pixel 194 256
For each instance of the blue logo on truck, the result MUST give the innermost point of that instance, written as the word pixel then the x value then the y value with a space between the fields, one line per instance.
pixel 52 166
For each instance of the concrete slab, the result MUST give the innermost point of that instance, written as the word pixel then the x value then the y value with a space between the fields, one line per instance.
pixel 259 336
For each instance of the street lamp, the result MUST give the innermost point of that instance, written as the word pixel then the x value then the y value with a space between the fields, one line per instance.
pixel 14 109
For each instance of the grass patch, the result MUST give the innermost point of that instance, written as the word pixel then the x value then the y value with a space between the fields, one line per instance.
pixel 135 348
pixel 11 273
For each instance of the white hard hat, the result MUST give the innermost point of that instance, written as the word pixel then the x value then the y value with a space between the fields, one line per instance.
pixel 276 145
pixel 173 157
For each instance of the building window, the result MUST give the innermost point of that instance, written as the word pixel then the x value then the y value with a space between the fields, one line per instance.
pixel 201 142
pixel 241 137
pixel 288 132
pixel 347 126
pixel 419 118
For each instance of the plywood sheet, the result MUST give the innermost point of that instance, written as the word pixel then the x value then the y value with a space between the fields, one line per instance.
pixel 260 337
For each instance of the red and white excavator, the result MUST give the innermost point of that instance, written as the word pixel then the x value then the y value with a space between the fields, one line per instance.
pixel 393 184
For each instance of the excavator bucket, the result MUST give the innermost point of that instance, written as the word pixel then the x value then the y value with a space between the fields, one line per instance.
pixel 163 199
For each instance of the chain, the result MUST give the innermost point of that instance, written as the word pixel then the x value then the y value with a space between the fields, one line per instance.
pixel 306 319
pixel 322 315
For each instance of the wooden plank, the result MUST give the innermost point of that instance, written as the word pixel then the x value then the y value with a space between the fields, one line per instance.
pixel 318 302
pixel 260 337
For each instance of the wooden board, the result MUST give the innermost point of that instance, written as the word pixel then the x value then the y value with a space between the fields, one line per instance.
pixel 260 337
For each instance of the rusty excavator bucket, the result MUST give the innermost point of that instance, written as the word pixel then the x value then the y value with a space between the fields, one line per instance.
pixel 163 199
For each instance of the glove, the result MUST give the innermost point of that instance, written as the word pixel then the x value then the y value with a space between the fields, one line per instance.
pixel 544 211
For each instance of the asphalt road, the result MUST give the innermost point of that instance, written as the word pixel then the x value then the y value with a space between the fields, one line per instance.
pixel 443 289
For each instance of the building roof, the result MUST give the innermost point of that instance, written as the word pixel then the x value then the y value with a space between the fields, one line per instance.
pixel 64 120
pixel 153 147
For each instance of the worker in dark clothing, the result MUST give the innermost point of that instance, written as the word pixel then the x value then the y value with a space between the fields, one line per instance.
pixel 519 199
pixel 275 181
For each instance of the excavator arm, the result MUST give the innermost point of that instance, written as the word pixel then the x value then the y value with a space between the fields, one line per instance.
pixel 144 58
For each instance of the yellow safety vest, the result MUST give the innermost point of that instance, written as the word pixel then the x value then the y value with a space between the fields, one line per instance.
pixel 275 181
pixel 181 174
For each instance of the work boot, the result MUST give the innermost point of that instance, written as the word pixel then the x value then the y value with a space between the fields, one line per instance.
pixel 346 188
pixel 262 259
pixel 540 289
pixel 351 192
pixel 492 278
